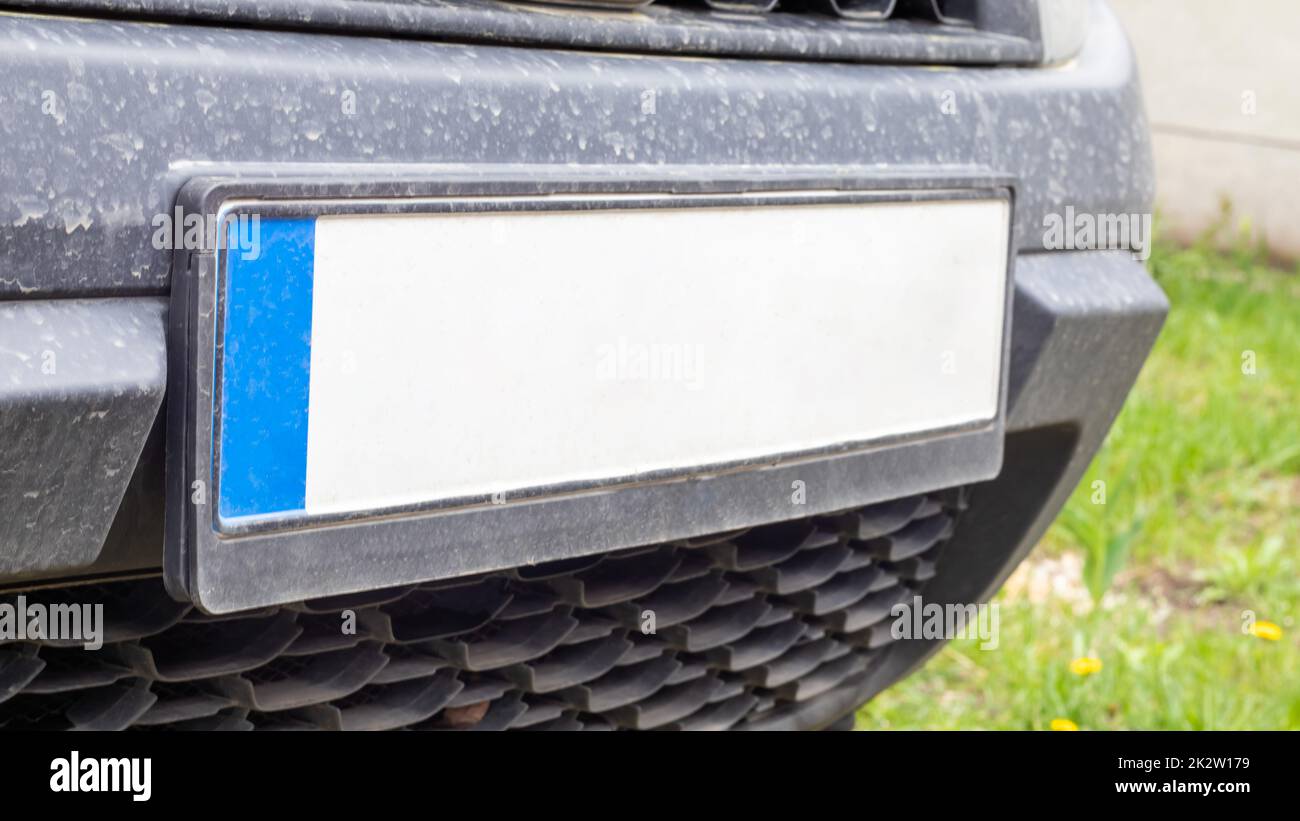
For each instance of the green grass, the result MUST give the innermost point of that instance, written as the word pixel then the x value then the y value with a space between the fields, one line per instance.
pixel 1201 521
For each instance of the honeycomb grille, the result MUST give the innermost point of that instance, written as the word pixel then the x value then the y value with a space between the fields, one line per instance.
pixel 716 633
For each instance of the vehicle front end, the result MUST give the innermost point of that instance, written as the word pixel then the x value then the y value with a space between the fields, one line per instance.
pixel 475 364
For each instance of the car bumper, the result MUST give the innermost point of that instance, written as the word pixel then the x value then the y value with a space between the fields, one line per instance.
pixel 108 120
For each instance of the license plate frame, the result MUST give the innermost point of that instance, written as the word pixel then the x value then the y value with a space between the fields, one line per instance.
pixel 224 566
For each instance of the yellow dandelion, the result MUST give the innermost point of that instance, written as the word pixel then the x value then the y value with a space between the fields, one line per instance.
pixel 1085 666
pixel 1267 630
pixel 1064 725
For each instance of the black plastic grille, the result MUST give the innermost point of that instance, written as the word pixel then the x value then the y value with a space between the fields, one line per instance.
pixel 946 12
pixel 932 32
pixel 747 626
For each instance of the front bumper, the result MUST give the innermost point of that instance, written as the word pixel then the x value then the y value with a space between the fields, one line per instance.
pixel 105 121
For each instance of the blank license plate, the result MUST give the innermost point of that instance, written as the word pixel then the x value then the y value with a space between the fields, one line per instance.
pixel 369 363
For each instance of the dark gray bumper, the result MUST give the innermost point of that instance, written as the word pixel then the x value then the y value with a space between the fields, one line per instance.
pixel 104 122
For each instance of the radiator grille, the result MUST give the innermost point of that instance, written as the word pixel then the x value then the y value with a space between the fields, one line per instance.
pixel 746 627
pixel 946 12
pixel 942 32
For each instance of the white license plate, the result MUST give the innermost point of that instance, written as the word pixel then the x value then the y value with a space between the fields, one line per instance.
pixel 372 362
